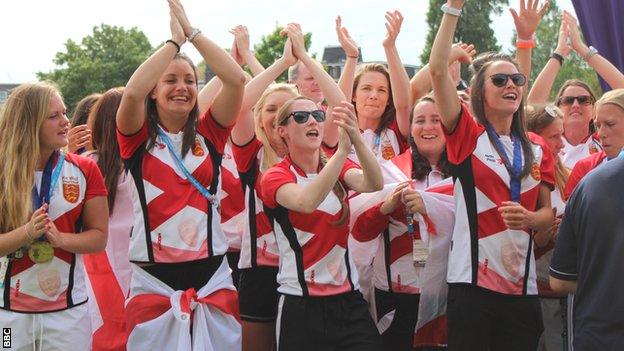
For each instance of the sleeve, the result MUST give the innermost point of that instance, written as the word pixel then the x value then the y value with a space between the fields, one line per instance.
pixel 563 265
pixel 271 181
pixel 579 171
pixel 244 155
pixel 95 180
pixel 369 224
pixel 213 131
pixel 403 142
pixel 347 166
pixel 128 144
pixel 547 166
pixel 461 142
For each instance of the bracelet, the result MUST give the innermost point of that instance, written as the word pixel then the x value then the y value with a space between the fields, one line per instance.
pixel 28 234
pixel 174 43
pixel 525 43
pixel 557 57
pixel 451 10
pixel 354 57
pixel 193 35
pixel 591 52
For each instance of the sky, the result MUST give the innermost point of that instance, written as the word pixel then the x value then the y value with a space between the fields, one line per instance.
pixel 34 30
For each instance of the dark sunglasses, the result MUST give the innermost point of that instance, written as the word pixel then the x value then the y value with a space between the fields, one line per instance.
pixel 302 117
pixel 582 100
pixel 501 79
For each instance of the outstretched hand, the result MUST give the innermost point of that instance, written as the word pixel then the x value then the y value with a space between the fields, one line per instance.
pixel 394 199
pixel 563 48
pixel 178 10
pixel 529 17
pixel 240 46
pixel 177 33
pixel 394 19
pixel 348 44
pixel 578 44
pixel 294 33
pixel 288 55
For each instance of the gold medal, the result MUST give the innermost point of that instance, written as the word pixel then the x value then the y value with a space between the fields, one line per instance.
pixel 41 252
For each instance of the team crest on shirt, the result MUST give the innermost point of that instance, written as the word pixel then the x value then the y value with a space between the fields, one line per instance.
pixel 71 189
pixel 592 149
pixel 197 149
pixel 387 151
pixel 535 172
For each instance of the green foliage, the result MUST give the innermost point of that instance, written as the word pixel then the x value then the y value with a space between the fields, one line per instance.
pixel 546 38
pixel 271 47
pixel 103 60
pixel 473 27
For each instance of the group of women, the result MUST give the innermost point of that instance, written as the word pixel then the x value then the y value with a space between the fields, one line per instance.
pixel 248 179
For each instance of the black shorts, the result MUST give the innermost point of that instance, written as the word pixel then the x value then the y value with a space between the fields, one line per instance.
pixel 479 319
pixel 340 322
pixel 257 294
pixel 400 334
pixel 185 275
pixel 233 257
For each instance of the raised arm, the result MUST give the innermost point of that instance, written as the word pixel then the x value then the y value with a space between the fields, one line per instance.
pixel 399 81
pixel 131 112
pixel 353 53
pixel 226 104
pixel 244 129
pixel 241 51
pixel 605 69
pixel 540 91
pixel 526 23
pixel 443 88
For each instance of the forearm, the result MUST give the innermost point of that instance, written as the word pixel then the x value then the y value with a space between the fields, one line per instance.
pixel 313 194
pixel 146 76
pixel 13 240
pixel 257 86
pixel 219 62
pixel 92 240
pixel 540 90
pixel 400 88
pixel 420 84
pixel 563 286
pixel 252 62
pixel 607 71
pixel 348 75
pixel 330 89
pixel 523 56
pixel 370 224
pixel 542 219
pixel 372 179
pixel 208 93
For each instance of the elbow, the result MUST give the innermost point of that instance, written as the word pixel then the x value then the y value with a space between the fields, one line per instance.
pixel 100 243
pixel 377 184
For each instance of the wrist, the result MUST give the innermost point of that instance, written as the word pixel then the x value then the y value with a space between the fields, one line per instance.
pixel 557 56
pixel 589 53
pixel 525 43
pixel 30 237
pixel 453 8
pixel 194 32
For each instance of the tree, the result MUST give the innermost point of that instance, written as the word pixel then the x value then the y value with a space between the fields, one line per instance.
pixel 473 27
pixel 271 48
pixel 545 42
pixel 103 60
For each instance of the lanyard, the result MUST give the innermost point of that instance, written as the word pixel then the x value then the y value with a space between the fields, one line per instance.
pixel 180 165
pixel 376 150
pixel 515 169
pixel 49 179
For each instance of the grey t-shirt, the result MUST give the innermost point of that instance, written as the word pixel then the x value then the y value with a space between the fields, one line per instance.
pixel 590 250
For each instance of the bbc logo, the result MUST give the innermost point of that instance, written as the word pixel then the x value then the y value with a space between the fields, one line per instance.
pixel 6 338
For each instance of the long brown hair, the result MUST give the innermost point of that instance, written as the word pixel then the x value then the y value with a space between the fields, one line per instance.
pixel 389 113
pixel 282 115
pixel 477 87
pixel 577 83
pixel 103 137
pixel 83 108
pixel 539 120
pixel 188 140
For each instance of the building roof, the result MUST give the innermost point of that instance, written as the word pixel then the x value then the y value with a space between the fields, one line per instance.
pixel 6 87
pixel 335 54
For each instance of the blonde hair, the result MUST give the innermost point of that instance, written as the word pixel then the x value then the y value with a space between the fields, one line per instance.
pixel 270 157
pixel 614 97
pixel 20 121
pixel 338 189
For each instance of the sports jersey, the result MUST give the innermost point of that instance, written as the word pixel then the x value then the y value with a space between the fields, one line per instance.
pixel 258 231
pixel 314 260
pixel 173 221
pixel 543 255
pixel 484 252
pixel 232 201
pixel 60 283
pixel 571 154
pixel 388 144
pixel 581 169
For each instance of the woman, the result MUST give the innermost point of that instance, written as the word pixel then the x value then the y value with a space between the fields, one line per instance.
pixel 51 192
pixel 502 191
pixel 109 271
pixel 320 307
pixel 609 110
pixel 174 155
pixel 547 122
pixel 396 280
pixel 575 98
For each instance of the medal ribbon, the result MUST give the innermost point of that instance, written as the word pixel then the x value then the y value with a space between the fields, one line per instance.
pixel 515 169
pixel 180 165
pixel 49 180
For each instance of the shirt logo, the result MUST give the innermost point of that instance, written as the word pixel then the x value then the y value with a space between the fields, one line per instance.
pixel 535 171
pixel 593 149
pixel 197 149
pixel 71 189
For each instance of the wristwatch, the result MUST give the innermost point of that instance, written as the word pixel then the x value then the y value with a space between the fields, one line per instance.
pixel 451 10
pixel 591 52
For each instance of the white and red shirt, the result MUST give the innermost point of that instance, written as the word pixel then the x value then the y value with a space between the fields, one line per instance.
pixel 388 144
pixel 484 252
pixel 232 201
pixel 571 154
pixel 60 283
pixel 314 260
pixel 543 255
pixel 173 221
pixel 581 169
pixel 258 231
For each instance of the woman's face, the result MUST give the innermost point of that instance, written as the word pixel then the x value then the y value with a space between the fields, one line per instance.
pixel 371 95
pixel 610 124
pixel 272 104
pixel 176 90
pixel 53 132
pixel 505 99
pixel 553 135
pixel 427 130
pixel 306 135
pixel 575 113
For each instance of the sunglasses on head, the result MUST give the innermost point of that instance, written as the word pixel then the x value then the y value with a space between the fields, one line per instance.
pixel 501 79
pixel 582 100
pixel 302 117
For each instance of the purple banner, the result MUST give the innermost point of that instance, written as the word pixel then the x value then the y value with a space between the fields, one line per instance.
pixel 603 27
